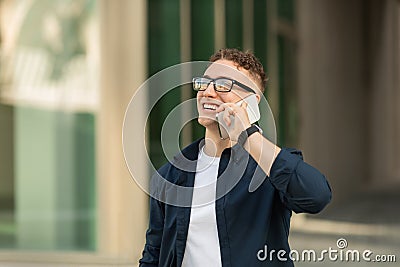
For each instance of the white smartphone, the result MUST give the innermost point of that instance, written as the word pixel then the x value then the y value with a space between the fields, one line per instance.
pixel 253 112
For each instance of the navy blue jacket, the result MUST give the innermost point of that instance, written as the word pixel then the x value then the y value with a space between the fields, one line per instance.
pixel 246 221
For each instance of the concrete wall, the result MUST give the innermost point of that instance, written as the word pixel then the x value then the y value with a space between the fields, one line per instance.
pixel 348 72
pixel 122 205
pixel 6 157
pixel 332 92
pixel 383 78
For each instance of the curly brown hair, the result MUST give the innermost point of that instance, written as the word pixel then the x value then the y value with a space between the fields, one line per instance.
pixel 245 60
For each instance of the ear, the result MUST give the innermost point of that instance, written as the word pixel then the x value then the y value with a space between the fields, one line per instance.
pixel 258 98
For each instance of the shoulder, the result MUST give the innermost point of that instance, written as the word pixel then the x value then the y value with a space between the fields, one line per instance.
pixel 291 152
pixel 184 161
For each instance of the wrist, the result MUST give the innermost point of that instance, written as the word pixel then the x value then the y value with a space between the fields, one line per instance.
pixel 248 133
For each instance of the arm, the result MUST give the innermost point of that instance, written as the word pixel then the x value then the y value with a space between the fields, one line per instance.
pixel 302 188
pixel 154 233
pixel 262 150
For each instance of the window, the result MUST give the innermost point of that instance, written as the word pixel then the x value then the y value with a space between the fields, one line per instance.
pixel 48 102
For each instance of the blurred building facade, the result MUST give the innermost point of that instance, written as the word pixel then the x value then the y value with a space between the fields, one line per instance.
pixel 68 69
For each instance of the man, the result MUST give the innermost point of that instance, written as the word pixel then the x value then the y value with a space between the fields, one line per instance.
pixel 232 228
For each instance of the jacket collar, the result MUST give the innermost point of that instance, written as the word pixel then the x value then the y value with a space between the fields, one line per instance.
pixel 186 160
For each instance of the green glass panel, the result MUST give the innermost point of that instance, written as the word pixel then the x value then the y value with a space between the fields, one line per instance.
pixel 260 32
pixel 288 108
pixel 157 118
pixel 202 29
pixel 85 174
pixel 286 9
pixel 202 36
pixel 234 23
pixel 7 188
pixel 281 129
pixel 55 180
pixel 164 35
pixel 47 166
pixel 164 51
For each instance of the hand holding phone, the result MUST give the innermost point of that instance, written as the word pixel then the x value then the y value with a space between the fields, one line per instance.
pixel 253 113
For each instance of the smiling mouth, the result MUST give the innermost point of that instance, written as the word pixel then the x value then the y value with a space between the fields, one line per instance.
pixel 210 106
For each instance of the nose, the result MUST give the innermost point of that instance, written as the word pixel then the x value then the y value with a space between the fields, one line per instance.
pixel 210 92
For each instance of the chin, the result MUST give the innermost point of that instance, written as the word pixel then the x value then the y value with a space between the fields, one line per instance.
pixel 206 121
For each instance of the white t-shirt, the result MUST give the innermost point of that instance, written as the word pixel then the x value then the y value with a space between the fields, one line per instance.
pixel 202 245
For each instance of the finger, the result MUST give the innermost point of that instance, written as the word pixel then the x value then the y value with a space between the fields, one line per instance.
pixel 231 110
pixel 227 120
pixel 244 104
pixel 227 108
pixel 226 117
pixel 220 109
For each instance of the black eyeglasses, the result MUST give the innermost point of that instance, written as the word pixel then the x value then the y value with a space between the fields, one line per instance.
pixel 221 84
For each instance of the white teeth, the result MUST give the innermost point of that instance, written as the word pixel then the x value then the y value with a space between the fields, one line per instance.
pixel 210 106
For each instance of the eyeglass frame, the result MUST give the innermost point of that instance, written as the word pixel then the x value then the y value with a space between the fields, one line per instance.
pixel 241 85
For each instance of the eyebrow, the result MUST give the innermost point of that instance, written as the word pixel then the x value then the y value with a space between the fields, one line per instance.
pixel 218 77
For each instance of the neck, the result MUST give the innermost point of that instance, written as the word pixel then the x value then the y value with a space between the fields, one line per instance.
pixel 214 145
